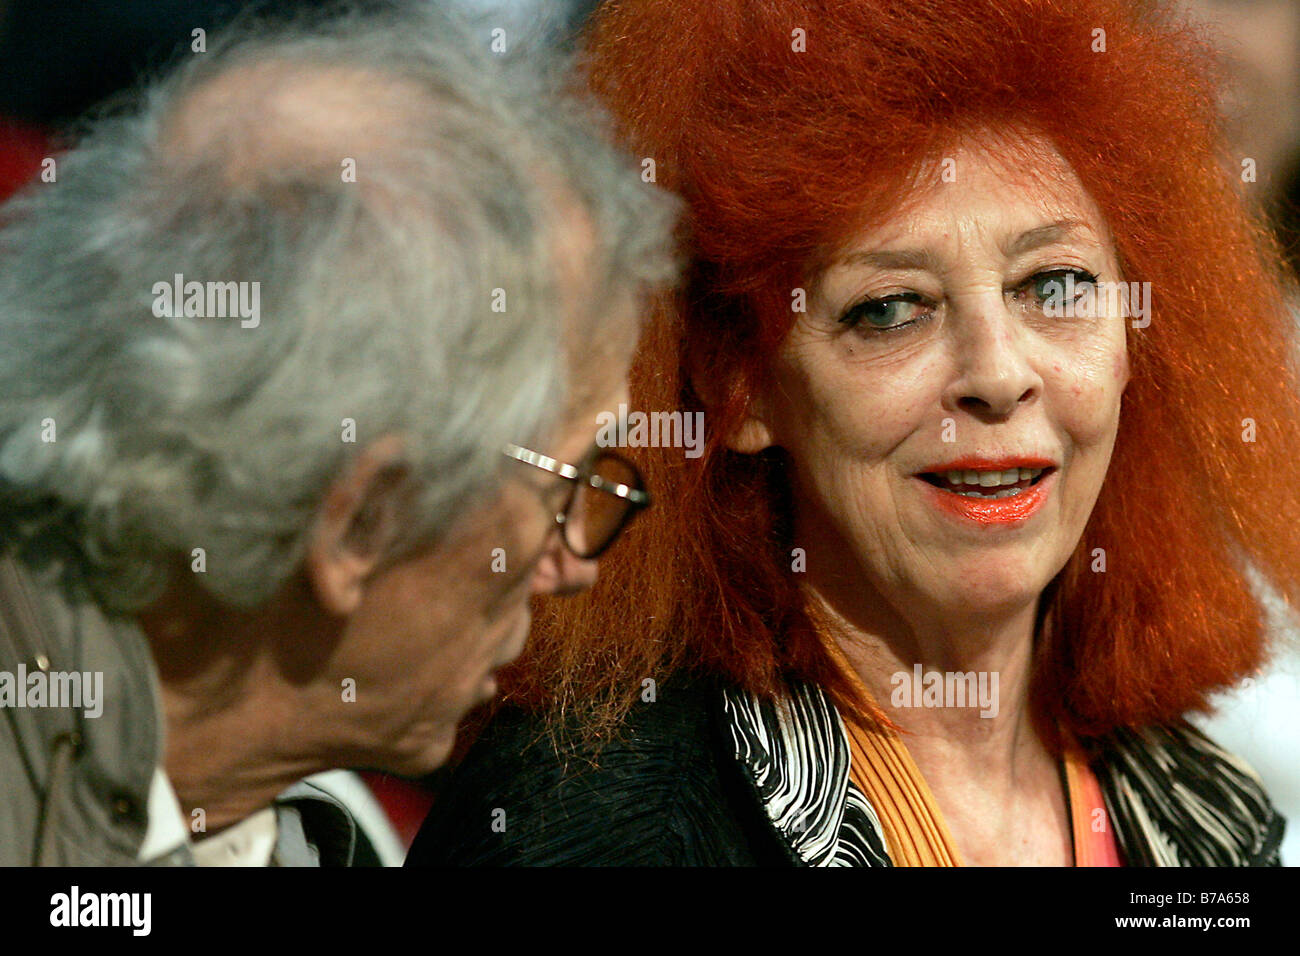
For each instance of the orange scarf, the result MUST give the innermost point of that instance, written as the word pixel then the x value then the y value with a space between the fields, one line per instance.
pixel 914 831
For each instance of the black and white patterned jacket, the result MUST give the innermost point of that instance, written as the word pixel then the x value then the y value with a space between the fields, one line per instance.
pixel 714 776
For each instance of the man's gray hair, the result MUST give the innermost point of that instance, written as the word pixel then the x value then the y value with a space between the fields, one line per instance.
pixel 407 287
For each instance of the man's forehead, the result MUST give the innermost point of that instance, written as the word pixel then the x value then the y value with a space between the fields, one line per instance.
pixel 573 245
pixel 258 117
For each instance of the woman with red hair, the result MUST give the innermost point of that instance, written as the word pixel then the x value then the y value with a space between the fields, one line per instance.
pixel 1002 424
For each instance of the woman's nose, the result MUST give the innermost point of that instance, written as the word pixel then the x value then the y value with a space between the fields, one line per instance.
pixel 994 373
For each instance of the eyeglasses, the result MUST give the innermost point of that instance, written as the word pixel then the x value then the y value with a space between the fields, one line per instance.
pixel 607 493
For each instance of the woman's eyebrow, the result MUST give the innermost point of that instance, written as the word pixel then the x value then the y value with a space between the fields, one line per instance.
pixel 1046 235
pixel 914 259
pixel 926 261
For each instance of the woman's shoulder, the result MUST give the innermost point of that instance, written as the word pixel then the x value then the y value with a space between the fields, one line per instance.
pixel 1178 798
pixel 655 793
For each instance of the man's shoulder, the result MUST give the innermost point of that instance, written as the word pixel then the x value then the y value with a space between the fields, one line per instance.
pixel 528 793
pixel 1180 799
pixel 84 752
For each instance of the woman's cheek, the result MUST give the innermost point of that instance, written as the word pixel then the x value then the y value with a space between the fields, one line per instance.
pixel 870 416
pixel 1090 384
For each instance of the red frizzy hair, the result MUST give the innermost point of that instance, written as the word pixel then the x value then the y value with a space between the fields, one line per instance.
pixel 782 155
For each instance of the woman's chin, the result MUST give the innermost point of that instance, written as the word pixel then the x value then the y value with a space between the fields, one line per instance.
pixel 989 599
pixel 988 583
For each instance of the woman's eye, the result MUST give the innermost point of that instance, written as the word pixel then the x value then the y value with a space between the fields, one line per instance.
pixel 886 314
pixel 1056 289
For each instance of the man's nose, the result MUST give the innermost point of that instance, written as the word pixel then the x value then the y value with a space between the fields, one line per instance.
pixel 562 572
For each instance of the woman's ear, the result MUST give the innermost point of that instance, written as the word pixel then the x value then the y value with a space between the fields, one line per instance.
pixel 753 433
pixel 356 524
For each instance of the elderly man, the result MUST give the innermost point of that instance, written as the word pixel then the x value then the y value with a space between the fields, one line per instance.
pixel 263 341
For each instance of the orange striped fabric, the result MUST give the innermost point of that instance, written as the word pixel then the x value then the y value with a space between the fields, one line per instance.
pixel 914 830
pixel 1094 838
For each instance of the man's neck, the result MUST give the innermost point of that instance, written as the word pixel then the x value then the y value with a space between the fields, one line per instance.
pixel 228 760
pixel 235 737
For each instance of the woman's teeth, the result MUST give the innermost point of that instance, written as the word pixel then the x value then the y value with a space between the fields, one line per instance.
pixel 965 482
pixel 991 479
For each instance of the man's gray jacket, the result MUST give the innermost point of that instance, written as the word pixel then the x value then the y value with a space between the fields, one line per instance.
pixel 74 786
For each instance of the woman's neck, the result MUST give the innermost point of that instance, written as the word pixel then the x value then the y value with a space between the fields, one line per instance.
pixel 959 692
pixel 957 687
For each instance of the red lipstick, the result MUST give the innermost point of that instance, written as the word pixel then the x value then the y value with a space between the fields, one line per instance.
pixel 1010 510
pixel 973 463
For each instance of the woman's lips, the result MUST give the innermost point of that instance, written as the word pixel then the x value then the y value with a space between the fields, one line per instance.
pixel 1014 509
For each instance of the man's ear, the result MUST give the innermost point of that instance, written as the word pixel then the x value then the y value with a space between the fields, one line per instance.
pixel 357 521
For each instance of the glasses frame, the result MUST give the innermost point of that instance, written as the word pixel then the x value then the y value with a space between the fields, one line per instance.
pixel 638 498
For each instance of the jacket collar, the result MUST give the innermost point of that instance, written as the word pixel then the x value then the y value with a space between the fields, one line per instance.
pixel 1178 799
pixel 1173 796
pixel 795 752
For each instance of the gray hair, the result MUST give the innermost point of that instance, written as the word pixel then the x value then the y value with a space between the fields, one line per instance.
pixel 172 432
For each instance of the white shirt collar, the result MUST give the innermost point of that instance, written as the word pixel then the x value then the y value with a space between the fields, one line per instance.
pixel 250 842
